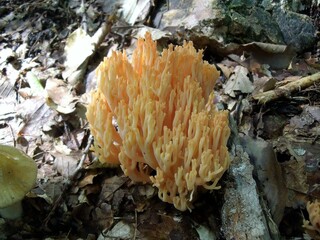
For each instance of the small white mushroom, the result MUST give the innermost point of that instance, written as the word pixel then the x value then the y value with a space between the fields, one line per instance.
pixel 18 174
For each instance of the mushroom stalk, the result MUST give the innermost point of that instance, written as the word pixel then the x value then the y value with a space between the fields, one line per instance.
pixel 13 211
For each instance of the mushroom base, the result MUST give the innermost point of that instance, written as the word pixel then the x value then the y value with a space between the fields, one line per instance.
pixel 13 211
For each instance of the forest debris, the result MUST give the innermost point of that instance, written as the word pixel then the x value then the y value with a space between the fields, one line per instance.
pixel 263 84
pixel 110 186
pixel 121 230
pixel 155 33
pixel 242 214
pixel 69 184
pixel 60 97
pixel 87 179
pixel 79 48
pixel 295 174
pixel 304 119
pixel 66 164
pixel 269 174
pixel 35 85
pixel 34 119
pixel 276 56
pixel 133 11
pixel 238 82
pixel 288 89
pixel 205 232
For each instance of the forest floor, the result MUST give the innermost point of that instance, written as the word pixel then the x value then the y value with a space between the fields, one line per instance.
pixel 44 90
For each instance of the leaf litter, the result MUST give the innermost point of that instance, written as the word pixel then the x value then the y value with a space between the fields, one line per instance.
pixel 45 61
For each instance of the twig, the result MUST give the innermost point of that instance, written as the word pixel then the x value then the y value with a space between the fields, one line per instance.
pixel 104 29
pixel 287 89
pixel 84 155
pixel 135 225
pixel 84 16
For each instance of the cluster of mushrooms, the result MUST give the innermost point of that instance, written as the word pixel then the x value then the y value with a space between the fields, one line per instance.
pixel 155 116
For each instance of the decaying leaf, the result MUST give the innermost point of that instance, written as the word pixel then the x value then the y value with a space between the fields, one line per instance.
pixel 60 96
pixel 78 49
pixel 268 171
pixel 239 82
pixel 121 230
pixel 110 186
pixel 133 11
pixel 88 179
pixel 65 165
pixel 35 115
pixel 35 85
pixel 275 55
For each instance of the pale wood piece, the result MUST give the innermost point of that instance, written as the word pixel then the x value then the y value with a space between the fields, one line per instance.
pixel 286 90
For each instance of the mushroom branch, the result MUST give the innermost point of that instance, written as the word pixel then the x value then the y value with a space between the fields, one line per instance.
pixel 18 175
pixel 155 116
pixel 312 227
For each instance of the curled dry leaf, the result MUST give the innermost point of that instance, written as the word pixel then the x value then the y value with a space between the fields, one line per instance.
pixel 77 50
pixel 60 96
pixel 239 82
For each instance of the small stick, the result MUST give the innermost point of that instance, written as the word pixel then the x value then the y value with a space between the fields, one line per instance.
pixel 286 90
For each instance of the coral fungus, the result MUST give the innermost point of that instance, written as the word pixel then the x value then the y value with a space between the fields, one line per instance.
pixel 313 229
pixel 155 116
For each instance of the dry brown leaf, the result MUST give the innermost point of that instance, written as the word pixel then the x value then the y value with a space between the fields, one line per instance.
pixel 64 164
pixel 88 179
pixel 262 84
pixel 77 50
pixel 110 186
pixel 133 11
pixel 238 82
pixel 226 70
pixel 60 97
pixel 35 115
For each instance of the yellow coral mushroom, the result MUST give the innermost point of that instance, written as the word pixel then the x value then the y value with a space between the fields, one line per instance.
pixel 313 229
pixel 155 116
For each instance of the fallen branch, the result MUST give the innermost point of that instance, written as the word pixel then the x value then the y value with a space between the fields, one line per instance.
pixel 286 90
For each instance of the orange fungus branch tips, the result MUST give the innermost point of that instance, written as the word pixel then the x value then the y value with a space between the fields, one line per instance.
pixel 312 226
pixel 167 131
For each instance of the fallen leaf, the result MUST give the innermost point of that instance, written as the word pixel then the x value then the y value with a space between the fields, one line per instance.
pixel 110 186
pixel 121 230
pixel 64 164
pixel 88 179
pixel 60 96
pixel 238 82
pixel 133 11
pixel 77 50
pixel 35 115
